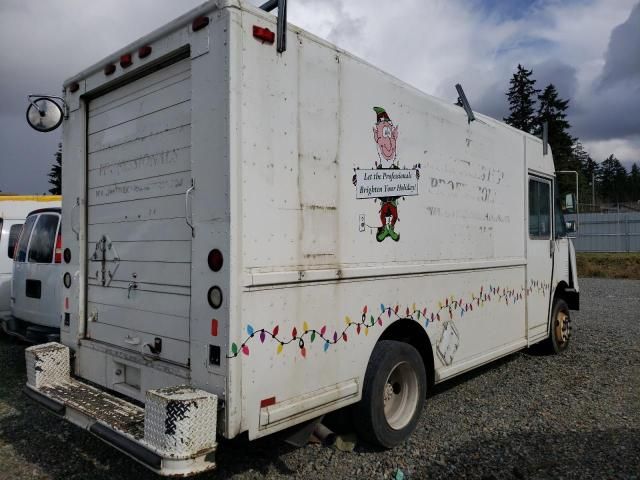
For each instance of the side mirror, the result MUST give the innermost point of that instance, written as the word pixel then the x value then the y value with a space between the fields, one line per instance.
pixel 570 226
pixel 43 114
pixel 570 203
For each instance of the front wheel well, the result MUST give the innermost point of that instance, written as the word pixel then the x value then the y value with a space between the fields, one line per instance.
pixel 567 294
pixel 410 331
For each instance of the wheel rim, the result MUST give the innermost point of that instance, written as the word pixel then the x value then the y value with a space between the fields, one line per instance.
pixel 562 328
pixel 400 395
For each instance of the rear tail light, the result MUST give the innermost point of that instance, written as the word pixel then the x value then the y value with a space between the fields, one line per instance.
pixel 215 260
pixel 264 34
pixel 144 52
pixel 126 60
pixel 58 251
pixel 199 23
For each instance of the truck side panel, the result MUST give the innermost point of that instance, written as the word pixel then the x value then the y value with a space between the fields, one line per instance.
pixel 327 265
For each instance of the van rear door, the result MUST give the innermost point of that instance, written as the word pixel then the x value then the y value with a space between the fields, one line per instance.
pixel 36 276
pixel 139 243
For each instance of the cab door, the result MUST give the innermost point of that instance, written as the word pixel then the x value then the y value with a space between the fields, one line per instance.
pixel 540 249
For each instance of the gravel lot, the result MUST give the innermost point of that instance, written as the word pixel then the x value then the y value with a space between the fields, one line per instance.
pixel 527 416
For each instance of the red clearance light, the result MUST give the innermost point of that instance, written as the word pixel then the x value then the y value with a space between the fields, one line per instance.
pixel 215 260
pixel 267 402
pixel 126 60
pixel 58 251
pixel 109 69
pixel 214 328
pixel 74 87
pixel 199 23
pixel 144 52
pixel 264 34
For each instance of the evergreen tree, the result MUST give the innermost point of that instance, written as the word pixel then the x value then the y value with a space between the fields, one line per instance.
pixel 551 109
pixel 55 174
pixel 582 163
pixel 612 178
pixel 521 95
pixel 633 183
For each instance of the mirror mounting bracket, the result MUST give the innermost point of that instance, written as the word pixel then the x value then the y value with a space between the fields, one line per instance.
pixel 65 107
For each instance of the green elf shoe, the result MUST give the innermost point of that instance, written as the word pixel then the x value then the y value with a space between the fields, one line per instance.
pixel 383 232
pixel 392 233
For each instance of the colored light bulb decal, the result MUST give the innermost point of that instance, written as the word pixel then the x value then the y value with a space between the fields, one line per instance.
pixel 449 304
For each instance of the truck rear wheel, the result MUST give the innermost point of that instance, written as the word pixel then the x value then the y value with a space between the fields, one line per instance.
pixel 394 390
pixel 560 331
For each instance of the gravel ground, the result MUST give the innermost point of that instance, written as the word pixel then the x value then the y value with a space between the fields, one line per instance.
pixel 527 416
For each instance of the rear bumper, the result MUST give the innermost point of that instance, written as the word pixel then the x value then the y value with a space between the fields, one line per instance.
pixel 27 331
pixel 174 434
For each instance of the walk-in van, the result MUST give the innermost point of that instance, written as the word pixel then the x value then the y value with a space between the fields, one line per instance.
pixel 13 212
pixel 260 228
pixel 35 284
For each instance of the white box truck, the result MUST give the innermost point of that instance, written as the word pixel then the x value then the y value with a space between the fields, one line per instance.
pixel 258 236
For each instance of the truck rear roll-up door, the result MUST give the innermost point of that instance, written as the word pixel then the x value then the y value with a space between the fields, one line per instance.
pixel 139 245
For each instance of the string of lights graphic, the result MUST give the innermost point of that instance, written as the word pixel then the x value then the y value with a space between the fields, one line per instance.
pixel 449 305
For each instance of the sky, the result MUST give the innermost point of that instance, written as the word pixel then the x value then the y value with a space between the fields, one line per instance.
pixel 589 49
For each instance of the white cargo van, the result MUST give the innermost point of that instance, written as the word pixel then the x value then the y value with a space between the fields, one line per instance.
pixel 259 235
pixel 36 283
pixel 13 211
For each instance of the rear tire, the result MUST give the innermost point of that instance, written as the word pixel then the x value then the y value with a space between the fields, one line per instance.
pixel 560 328
pixel 393 394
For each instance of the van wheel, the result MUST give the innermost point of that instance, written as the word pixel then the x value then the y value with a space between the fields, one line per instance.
pixel 560 333
pixel 393 394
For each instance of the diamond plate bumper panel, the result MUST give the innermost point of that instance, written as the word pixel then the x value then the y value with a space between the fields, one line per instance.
pixel 175 434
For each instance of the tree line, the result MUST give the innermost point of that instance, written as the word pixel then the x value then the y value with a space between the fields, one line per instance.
pixel 530 107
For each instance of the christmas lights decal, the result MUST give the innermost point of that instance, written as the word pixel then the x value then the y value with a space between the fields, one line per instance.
pixel 446 309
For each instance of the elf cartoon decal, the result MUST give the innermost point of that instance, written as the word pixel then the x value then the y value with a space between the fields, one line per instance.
pixel 387 182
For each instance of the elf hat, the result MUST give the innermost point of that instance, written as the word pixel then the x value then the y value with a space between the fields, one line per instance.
pixel 381 115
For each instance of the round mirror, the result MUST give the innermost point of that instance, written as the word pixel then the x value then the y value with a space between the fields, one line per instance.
pixel 44 114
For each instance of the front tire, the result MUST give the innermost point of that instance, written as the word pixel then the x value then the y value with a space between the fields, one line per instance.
pixel 393 394
pixel 560 328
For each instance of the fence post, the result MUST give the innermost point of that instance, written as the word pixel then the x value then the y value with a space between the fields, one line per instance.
pixel 627 233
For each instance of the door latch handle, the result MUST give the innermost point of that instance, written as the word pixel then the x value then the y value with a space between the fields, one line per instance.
pixel 132 286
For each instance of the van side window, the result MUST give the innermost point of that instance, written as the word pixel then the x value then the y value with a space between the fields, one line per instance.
pixel 23 243
pixel 539 209
pixel 43 239
pixel 14 234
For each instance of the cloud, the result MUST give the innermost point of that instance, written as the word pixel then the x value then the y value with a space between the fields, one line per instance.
pixel 622 60
pixel 625 150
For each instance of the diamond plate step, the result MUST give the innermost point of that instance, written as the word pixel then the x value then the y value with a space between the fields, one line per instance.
pixel 175 434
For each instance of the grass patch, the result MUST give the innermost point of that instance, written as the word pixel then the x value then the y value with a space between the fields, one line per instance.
pixel 609 265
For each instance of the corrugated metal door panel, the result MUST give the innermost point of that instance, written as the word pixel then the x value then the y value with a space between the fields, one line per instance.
pixel 139 245
pixel 152 187
pixel 156 123
pixel 154 251
pixel 157 81
pixel 142 230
